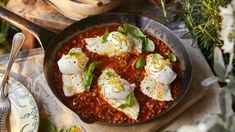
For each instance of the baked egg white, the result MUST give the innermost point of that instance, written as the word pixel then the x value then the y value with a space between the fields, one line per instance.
pixel 74 62
pixel 159 75
pixel 155 90
pixel 159 68
pixel 116 44
pixel 72 66
pixel 115 90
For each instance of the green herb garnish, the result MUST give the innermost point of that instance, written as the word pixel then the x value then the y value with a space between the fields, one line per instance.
pixel 129 101
pixel 134 31
pixel 105 36
pixel 203 19
pixel 140 63
pixel 171 56
pixel 88 77
pixel 148 45
pixel 87 80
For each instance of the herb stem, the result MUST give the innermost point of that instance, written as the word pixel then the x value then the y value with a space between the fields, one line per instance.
pixel 163 7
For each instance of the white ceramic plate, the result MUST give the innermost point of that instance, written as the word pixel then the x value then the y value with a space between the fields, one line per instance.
pixel 24 116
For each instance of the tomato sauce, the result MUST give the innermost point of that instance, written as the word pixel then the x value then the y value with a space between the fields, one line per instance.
pixel 90 105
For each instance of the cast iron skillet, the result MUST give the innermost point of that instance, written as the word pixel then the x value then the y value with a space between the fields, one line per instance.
pixel 52 42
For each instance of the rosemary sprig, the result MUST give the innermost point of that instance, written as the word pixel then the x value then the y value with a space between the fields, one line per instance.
pixel 203 20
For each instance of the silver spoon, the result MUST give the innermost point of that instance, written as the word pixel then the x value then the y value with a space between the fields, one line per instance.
pixel 5 105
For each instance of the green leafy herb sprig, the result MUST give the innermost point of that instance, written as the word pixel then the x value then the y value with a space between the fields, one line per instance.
pixel 225 120
pixel 88 76
pixel 163 9
pixel 140 63
pixel 105 36
pixel 203 20
pixel 148 44
pixel 171 56
pixel 129 101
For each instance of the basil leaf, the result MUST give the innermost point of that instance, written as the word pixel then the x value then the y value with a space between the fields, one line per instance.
pixel 171 56
pixel 133 30
pixel 105 36
pixel 87 80
pixel 122 106
pixel 129 101
pixel 148 45
pixel 140 63
pixel 88 76
pixel 93 65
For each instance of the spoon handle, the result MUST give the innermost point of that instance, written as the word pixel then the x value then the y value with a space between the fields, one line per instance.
pixel 17 43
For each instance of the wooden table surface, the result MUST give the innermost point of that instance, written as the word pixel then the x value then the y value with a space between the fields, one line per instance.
pixel 198 103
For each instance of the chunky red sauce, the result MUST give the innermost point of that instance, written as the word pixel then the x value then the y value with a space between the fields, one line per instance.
pixel 90 105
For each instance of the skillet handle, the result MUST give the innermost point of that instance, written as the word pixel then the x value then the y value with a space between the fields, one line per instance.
pixel 43 36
